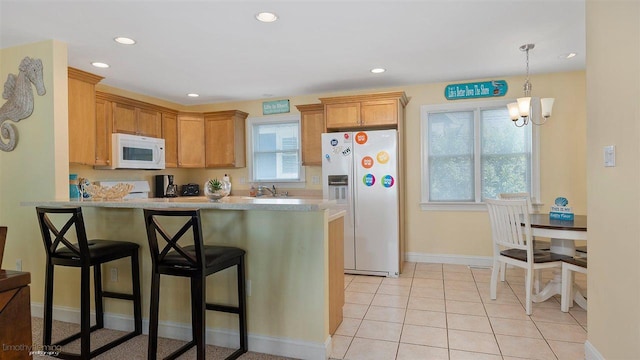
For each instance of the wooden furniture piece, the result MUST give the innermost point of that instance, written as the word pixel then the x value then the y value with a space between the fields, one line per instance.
pixel 569 266
pixel 513 244
pixel 170 135
pixel 336 273
pixel 311 129
pixel 191 152
pixel 196 262
pixel 15 315
pixel 84 254
pixel 3 241
pixel 225 139
pixel 82 116
pixel 370 111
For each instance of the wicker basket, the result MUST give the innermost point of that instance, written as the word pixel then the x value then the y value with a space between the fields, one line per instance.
pixel 116 192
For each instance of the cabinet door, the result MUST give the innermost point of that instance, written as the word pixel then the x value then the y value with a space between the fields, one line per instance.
pixel 340 116
pixel 379 112
pixel 312 127
pixel 225 141
pixel 170 135
pixel 191 140
pixel 124 119
pixel 82 126
pixel 104 116
pixel 149 123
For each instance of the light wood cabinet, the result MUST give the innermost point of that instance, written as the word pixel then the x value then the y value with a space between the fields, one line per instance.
pixel 336 273
pixel 104 118
pixel 191 152
pixel 170 136
pixel 129 119
pixel 224 135
pixel 372 111
pixel 312 127
pixel 82 116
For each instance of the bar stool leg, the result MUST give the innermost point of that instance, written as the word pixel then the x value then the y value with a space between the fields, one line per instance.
pixel 85 308
pixel 152 349
pixel 48 305
pixel 242 306
pixel 198 314
pixel 137 297
pixel 97 285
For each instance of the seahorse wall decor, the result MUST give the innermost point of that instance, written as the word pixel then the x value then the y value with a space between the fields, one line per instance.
pixel 19 96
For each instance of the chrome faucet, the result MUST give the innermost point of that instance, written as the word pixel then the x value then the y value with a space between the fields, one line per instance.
pixel 262 189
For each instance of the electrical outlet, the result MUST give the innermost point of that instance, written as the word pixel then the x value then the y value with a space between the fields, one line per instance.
pixel 248 287
pixel 18 264
pixel 315 179
pixel 242 180
pixel 114 274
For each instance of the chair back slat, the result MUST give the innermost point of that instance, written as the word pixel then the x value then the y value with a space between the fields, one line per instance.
pixel 153 220
pixel 522 195
pixel 73 219
pixel 507 217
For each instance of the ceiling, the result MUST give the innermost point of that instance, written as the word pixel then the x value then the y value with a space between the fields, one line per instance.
pixel 220 51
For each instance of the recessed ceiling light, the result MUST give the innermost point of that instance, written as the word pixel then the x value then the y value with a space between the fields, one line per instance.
pixel 193 95
pixel 266 17
pixel 100 65
pixel 124 40
pixel 378 70
pixel 567 56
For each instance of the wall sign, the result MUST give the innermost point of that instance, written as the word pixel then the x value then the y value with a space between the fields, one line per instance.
pixel 476 90
pixel 275 107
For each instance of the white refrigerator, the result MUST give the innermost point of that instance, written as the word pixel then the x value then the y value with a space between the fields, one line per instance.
pixel 360 172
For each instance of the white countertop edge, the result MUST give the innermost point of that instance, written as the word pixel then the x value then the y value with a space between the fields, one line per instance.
pixel 228 203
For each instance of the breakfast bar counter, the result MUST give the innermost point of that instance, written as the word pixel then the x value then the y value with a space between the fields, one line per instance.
pixel 289 264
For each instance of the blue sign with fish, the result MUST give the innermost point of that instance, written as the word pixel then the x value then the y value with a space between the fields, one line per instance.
pixel 476 90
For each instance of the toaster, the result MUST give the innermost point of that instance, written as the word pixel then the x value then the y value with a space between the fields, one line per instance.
pixel 190 190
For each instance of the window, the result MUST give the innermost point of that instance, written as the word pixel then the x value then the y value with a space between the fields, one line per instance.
pixel 274 149
pixel 471 152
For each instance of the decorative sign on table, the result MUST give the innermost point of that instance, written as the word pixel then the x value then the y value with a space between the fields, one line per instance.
pixel 275 107
pixel 476 90
pixel 560 211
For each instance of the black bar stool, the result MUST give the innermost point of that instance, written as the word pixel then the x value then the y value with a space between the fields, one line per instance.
pixel 196 262
pixel 85 254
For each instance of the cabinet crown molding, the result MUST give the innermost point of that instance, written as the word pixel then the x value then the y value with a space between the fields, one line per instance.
pixel 310 107
pixel 226 114
pixel 78 74
pixel 396 95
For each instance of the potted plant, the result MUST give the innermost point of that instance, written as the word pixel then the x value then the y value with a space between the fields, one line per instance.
pixel 215 189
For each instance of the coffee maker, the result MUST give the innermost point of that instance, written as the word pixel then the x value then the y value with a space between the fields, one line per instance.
pixel 165 186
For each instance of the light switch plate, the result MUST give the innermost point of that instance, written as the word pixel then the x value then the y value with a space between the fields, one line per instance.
pixel 610 156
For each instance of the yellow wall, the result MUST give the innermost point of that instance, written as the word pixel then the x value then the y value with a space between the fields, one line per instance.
pixel 38 167
pixel 613 82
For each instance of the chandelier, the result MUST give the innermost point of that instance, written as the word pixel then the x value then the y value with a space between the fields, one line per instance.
pixel 525 108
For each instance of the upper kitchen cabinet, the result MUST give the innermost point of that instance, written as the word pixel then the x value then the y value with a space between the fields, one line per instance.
pixel 131 119
pixel 104 128
pixel 312 127
pixel 225 139
pixel 82 116
pixel 170 136
pixel 191 140
pixel 371 111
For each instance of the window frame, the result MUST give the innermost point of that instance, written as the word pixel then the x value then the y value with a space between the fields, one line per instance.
pixel 277 119
pixel 476 107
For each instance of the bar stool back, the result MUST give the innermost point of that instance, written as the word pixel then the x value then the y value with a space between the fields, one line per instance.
pixel 84 254
pixel 197 261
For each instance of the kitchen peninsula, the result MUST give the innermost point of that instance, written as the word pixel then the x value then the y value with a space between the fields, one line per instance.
pixel 294 247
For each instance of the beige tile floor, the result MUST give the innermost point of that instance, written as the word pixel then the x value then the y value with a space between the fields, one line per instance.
pixel 443 311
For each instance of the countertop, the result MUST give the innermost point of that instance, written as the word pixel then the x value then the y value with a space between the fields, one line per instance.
pixel 201 202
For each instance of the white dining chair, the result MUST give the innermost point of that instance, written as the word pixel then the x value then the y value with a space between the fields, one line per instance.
pixel 513 245
pixel 569 266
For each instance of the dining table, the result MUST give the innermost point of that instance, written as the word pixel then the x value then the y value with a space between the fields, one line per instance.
pixel 563 234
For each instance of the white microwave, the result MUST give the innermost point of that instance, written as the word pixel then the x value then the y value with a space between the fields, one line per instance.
pixel 136 152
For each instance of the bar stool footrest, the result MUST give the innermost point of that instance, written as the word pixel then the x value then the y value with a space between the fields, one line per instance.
pixel 116 295
pixel 181 350
pixel 223 308
pixel 96 352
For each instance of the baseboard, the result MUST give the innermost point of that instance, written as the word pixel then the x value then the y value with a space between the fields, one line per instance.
pixel 591 353
pixel 215 336
pixel 483 261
